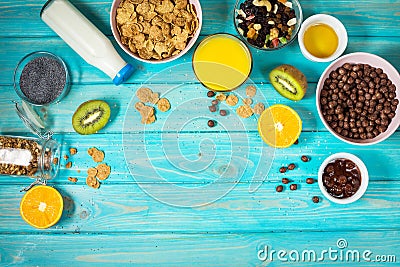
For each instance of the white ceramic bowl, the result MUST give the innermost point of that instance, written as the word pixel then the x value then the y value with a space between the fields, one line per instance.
pixel 364 178
pixel 189 45
pixel 375 61
pixel 335 24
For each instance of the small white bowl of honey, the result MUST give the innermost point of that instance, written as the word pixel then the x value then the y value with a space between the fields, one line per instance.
pixel 322 38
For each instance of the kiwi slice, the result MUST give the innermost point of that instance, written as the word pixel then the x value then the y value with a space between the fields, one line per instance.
pixel 91 116
pixel 289 82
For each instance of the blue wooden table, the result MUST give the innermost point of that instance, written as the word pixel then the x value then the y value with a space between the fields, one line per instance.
pixel 232 211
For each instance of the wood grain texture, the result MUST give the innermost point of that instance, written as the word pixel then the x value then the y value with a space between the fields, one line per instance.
pixel 126 208
pixel 202 249
pixel 243 151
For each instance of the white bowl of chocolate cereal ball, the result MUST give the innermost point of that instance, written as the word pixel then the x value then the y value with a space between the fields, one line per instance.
pixel 357 98
pixel 156 31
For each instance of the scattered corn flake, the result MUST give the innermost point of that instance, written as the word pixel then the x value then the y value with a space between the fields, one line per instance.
pixel 259 108
pixel 97 155
pixel 144 94
pixel 244 111
pixel 66 157
pixel 68 165
pixel 92 172
pixel 73 179
pixel 154 98
pixel 139 106
pixel 55 161
pixel 92 182
pixel 251 91
pixel 91 151
pixel 221 97
pixel 72 151
pixel 149 120
pixel 248 101
pixel 163 105
pixel 103 171
pixel 232 100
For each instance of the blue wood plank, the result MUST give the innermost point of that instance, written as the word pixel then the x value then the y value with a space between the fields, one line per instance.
pixel 245 153
pixel 126 208
pixel 200 249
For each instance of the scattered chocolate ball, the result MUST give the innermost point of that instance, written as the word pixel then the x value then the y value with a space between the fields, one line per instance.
pixel 315 199
pixel 309 180
pixel 212 108
pixel 223 112
pixel 285 180
pixel 304 158
pixel 291 166
pixel 279 188
pixel 293 187
pixel 211 123
pixel 210 93
pixel 296 142
pixel 214 102
pixel 282 170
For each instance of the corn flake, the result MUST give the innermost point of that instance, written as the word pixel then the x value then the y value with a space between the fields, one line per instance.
pixel 221 97
pixel 244 111
pixel 259 108
pixel 248 101
pixel 103 171
pixel 232 100
pixel 251 91
pixel 163 105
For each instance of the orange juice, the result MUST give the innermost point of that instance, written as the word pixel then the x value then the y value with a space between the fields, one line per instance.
pixel 222 62
pixel 321 40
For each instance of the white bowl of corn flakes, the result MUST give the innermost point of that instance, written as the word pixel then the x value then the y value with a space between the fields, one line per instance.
pixel 156 31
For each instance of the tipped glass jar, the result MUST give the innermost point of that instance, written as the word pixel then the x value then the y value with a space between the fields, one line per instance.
pixel 29 157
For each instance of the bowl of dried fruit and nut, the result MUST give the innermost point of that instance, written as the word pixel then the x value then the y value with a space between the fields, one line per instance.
pixel 357 98
pixel 156 31
pixel 268 24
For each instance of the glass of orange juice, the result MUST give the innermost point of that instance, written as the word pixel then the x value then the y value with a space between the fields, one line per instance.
pixel 222 62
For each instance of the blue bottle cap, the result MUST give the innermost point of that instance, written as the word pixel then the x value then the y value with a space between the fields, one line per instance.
pixel 123 74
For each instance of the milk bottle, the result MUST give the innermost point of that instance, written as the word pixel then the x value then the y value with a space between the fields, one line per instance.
pixel 87 40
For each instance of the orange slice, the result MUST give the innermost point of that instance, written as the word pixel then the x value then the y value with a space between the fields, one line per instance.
pixel 41 206
pixel 279 126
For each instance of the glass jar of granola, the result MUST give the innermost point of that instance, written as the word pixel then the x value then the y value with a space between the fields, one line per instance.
pixel 29 157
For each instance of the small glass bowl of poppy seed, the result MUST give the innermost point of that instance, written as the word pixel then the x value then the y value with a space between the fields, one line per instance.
pixel 41 78
pixel 343 178
pixel 357 98
pixel 268 24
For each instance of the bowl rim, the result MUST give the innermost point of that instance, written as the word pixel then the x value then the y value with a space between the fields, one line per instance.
pixel 25 60
pixel 343 39
pixel 230 36
pixel 117 37
pixel 364 177
pixel 363 60
pixel 299 21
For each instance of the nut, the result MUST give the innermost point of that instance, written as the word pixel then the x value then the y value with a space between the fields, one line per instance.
pixel 265 3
